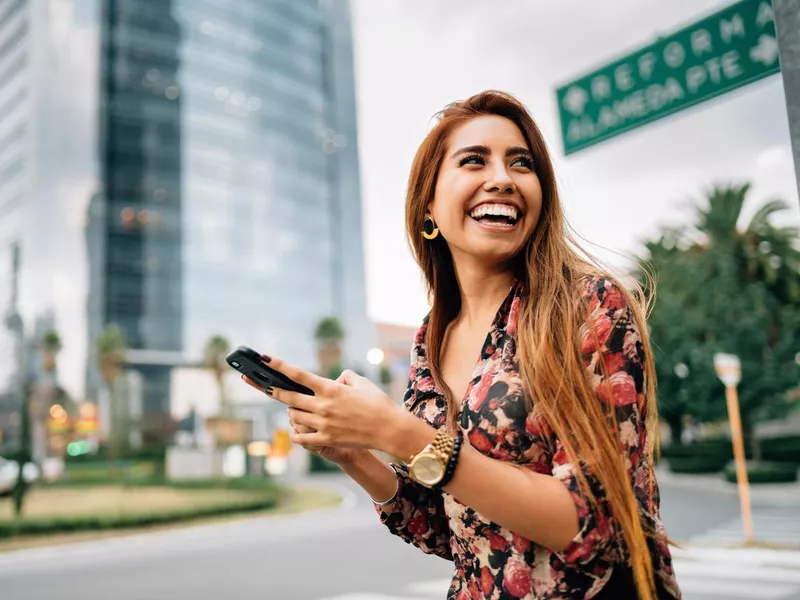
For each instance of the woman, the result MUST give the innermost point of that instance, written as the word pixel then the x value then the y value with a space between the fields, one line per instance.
pixel 525 443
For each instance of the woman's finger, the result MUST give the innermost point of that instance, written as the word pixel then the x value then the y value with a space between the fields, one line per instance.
pixel 305 419
pixel 294 399
pixel 318 384
pixel 252 383
pixel 309 439
pixel 349 377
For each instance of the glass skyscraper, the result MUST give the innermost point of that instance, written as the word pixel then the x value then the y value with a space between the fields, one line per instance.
pixel 194 172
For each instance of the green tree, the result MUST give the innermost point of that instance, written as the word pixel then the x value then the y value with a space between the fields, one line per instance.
pixel 329 335
pixel 677 326
pixel 216 349
pixel 111 349
pixel 757 270
pixel 722 288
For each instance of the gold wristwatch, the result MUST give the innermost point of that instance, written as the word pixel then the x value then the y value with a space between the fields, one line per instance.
pixel 429 465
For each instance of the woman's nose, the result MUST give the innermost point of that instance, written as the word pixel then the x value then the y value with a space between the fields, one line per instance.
pixel 500 181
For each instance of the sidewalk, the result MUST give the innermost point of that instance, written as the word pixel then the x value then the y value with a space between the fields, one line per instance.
pixel 775 515
pixel 766 494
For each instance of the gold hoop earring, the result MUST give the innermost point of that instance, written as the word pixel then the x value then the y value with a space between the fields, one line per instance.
pixel 429 229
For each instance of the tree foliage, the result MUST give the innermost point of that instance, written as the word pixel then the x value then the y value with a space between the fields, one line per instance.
pixel 724 287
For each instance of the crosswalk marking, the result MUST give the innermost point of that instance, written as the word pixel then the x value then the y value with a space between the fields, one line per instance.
pixel 775 525
pixel 739 590
pixel 686 569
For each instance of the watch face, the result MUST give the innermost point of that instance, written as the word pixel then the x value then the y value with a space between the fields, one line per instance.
pixel 428 469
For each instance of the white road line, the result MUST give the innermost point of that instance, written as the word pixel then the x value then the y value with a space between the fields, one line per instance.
pixel 438 588
pixel 739 556
pixel 369 596
pixel 770 525
pixel 731 590
pixel 736 572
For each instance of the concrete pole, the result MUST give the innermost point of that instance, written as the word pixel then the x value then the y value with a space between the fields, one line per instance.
pixel 787 23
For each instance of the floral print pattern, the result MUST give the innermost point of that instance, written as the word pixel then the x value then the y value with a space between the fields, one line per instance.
pixel 491 562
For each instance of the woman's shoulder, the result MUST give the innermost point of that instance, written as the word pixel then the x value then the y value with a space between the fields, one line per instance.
pixel 598 289
pixel 418 345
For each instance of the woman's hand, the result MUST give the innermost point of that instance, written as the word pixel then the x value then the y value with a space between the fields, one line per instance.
pixel 340 456
pixel 351 412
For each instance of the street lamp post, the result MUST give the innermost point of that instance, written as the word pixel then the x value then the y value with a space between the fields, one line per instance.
pixel 729 371
pixel 15 325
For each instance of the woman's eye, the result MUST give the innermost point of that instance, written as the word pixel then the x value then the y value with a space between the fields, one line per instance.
pixel 474 159
pixel 523 161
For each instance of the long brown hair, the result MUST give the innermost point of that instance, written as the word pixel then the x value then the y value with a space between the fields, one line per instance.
pixel 553 371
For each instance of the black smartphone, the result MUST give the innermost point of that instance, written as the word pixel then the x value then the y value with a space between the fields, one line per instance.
pixel 248 362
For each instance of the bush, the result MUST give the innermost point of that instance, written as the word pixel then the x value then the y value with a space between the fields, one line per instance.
pixel 146 453
pixel 782 449
pixel 697 464
pixel 269 496
pixel 124 470
pixel 717 447
pixel 765 472
pixel 705 456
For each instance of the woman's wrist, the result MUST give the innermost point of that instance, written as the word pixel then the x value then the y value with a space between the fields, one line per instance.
pixel 406 435
pixel 351 457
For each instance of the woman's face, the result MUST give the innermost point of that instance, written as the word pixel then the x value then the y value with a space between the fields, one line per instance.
pixel 488 198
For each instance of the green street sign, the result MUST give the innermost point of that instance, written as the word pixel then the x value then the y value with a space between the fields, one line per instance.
pixel 717 54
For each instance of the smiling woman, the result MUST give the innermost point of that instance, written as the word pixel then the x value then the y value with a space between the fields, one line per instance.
pixel 525 444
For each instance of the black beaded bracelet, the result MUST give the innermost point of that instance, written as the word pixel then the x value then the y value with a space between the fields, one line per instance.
pixel 451 464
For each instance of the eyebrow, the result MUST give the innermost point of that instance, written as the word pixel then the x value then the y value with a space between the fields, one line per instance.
pixel 484 151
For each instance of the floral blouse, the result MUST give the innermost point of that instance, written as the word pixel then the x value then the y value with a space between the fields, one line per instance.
pixel 491 562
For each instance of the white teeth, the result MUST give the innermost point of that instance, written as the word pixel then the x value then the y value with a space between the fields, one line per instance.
pixel 497 210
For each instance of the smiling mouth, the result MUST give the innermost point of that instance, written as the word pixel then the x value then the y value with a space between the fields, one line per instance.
pixel 495 215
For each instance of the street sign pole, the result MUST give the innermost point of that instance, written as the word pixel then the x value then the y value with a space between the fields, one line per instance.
pixel 729 371
pixel 787 23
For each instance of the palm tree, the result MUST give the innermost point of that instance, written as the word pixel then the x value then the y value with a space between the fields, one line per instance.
pixel 762 251
pixel 216 349
pixel 50 346
pixel 731 288
pixel 111 348
pixel 45 392
pixel 329 334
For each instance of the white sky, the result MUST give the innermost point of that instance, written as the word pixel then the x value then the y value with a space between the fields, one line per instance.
pixel 415 56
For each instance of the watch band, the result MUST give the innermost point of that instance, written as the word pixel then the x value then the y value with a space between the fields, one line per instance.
pixel 451 463
pixel 442 446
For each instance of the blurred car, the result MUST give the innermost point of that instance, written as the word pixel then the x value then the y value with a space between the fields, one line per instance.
pixel 9 471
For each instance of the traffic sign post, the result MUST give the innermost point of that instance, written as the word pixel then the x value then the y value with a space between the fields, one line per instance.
pixel 715 55
pixel 729 371
pixel 787 23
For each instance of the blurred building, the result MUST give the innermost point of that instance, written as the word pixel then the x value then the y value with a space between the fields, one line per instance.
pixel 181 168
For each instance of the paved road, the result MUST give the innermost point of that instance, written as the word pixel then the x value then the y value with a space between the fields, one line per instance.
pixel 342 554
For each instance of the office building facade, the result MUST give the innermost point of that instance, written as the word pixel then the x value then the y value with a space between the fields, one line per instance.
pixel 194 172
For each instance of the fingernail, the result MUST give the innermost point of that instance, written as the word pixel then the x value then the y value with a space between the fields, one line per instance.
pixel 265 358
pixel 269 391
